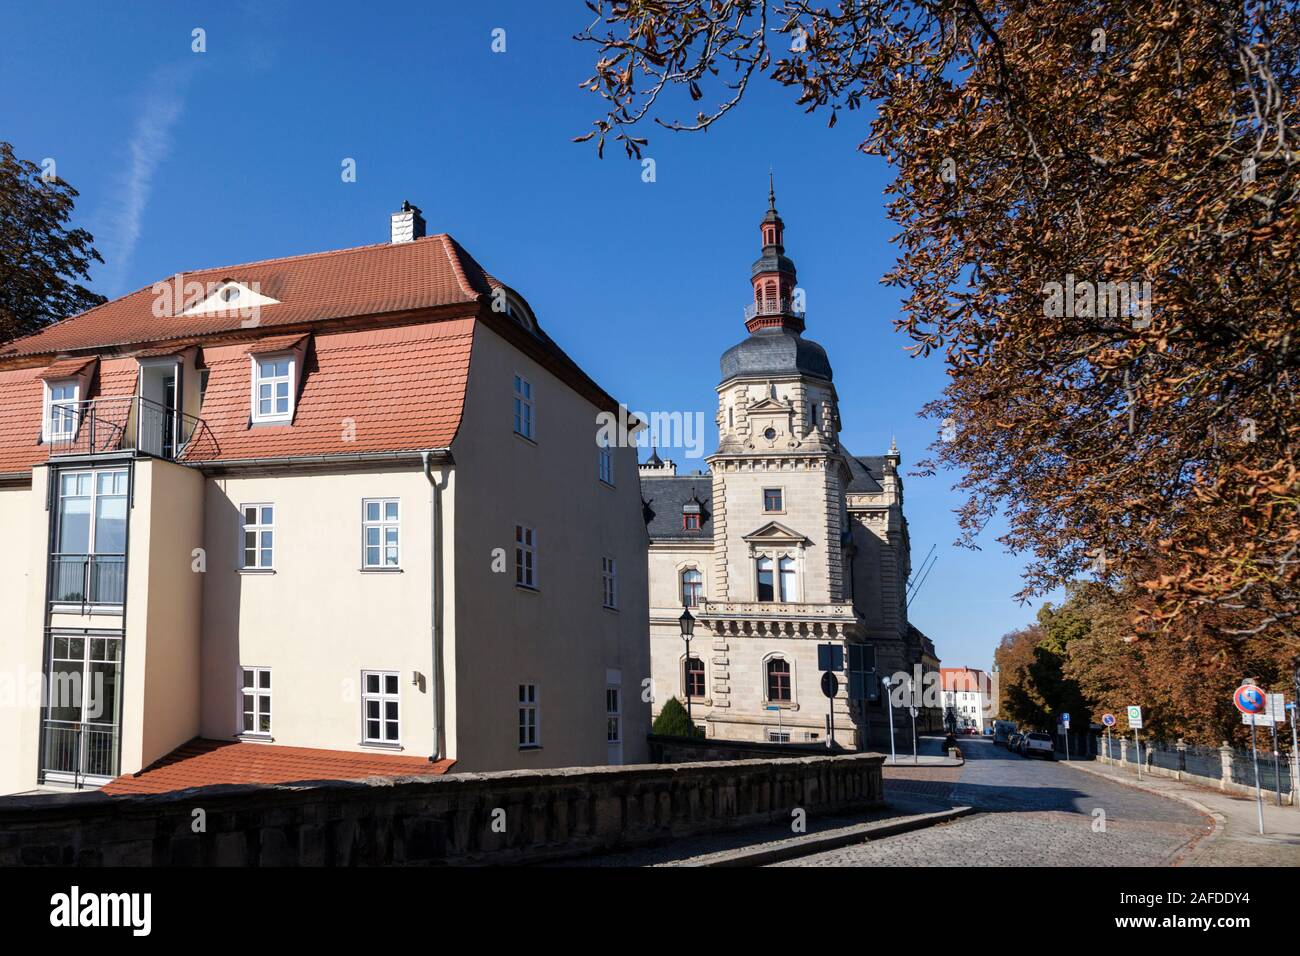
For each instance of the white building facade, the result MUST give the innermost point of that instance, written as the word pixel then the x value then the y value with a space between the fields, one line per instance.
pixel 365 518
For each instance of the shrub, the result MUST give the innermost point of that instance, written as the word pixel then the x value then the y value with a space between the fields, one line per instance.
pixel 672 721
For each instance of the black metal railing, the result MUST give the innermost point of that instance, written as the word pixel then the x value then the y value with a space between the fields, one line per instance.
pixel 87 578
pixel 129 422
pixel 83 749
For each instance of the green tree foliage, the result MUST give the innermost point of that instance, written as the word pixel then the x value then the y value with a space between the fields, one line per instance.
pixel 41 260
pixel 672 721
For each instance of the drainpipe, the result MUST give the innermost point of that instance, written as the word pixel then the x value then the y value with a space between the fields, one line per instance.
pixel 435 609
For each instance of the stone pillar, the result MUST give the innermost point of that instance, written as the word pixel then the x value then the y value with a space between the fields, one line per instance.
pixel 1123 751
pixel 1181 747
pixel 1225 764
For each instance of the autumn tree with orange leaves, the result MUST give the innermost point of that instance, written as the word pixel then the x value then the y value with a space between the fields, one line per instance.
pixel 1098 217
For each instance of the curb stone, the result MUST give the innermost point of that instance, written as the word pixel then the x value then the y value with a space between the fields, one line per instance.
pixel 819 843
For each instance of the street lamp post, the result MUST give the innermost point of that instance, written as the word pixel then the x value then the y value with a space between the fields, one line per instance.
pixel 687 621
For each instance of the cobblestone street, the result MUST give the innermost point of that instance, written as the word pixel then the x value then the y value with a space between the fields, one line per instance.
pixel 1031 813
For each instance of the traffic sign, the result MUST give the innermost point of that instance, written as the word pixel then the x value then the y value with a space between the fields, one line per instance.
pixel 1250 699
pixel 1135 717
pixel 1108 720
pixel 830 657
pixel 830 684
pixel 1065 721
pixel 1276 710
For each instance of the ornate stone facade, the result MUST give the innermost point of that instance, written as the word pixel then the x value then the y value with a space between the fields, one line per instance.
pixel 787 542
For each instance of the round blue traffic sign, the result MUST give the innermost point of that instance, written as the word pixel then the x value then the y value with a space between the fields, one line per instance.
pixel 1249 699
pixel 1108 720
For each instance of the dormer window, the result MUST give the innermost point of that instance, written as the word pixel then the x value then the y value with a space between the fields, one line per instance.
pixel 273 387
pixel 60 421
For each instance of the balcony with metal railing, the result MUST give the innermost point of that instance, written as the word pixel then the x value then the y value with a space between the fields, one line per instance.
pixel 80 750
pixel 87 579
pixel 772 305
pixel 128 423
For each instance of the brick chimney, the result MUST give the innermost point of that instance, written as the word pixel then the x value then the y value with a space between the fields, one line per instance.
pixel 408 224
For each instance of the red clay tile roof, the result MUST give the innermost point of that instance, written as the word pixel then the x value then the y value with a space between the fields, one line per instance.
pixel 205 763
pixel 366 280
pixel 22 400
pixel 67 368
pixel 399 389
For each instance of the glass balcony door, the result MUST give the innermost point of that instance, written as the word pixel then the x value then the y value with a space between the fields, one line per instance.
pixel 81 731
pixel 88 566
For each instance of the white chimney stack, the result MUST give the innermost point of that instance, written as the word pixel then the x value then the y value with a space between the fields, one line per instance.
pixel 408 224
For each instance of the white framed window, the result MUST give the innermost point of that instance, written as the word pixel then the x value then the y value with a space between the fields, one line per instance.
pixel 692 587
pixel 523 407
pixel 60 420
pixel 381 707
pixel 273 379
pixel 609 582
pixel 525 556
pixel 255 700
pixel 778 736
pixel 605 465
pixel 88 561
pixel 257 543
pixel 530 716
pixel 381 533
pixel 613 715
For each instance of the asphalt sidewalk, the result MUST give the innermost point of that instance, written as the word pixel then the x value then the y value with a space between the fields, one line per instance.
pixel 1236 840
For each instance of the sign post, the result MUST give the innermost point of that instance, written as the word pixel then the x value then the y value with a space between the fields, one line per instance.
pixel 830 658
pixel 1295 759
pixel 1251 702
pixel 1135 721
pixel 1276 714
pixel 1065 722
pixel 889 708
pixel 1108 721
pixel 911 699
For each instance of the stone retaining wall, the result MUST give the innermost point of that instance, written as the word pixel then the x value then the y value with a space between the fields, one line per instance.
pixel 512 817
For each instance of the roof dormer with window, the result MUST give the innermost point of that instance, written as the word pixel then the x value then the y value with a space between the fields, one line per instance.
pixel 276 379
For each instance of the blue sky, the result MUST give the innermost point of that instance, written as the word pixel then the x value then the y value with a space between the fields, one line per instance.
pixel 188 160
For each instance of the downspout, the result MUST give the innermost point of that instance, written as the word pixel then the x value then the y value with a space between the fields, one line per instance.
pixel 435 609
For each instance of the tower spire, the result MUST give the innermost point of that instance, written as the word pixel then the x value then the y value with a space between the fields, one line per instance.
pixel 773 276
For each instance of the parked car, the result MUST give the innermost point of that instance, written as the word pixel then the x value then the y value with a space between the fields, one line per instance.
pixel 1013 742
pixel 1039 745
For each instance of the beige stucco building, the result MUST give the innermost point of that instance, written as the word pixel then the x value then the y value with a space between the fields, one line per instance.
pixel 788 542
pixel 346 507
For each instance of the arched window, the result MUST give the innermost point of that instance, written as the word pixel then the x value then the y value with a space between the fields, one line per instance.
pixel 692 587
pixel 788 591
pixel 765 582
pixel 778 680
pixel 693 677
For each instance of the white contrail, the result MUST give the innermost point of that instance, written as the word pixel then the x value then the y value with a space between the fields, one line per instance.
pixel 151 141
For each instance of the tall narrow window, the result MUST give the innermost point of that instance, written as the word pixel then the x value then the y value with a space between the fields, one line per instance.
pixel 259 536
pixel 381 707
pixel 273 389
pixel 529 716
pixel 523 407
pixel 525 556
pixel 89 563
pixel 692 587
pixel 613 716
pixel 765 581
pixel 786 568
pixel 609 583
pixel 693 677
pixel 256 695
pixel 605 465
pixel 61 411
pixel 381 524
pixel 778 680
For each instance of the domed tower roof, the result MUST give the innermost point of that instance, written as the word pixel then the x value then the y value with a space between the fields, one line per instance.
pixel 775 318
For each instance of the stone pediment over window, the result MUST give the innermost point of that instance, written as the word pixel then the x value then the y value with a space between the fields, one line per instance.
pixel 775 534
pixel 768 404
